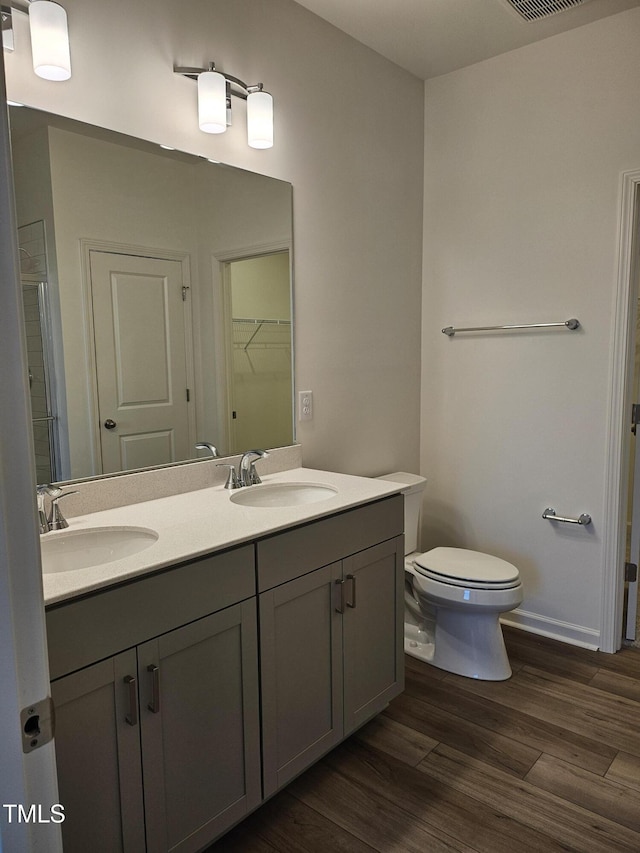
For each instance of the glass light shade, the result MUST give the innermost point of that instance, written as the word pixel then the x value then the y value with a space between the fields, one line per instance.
pixel 212 102
pixel 260 120
pixel 49 40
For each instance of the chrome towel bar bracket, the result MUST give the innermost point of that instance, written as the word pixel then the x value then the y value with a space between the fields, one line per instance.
pixel 550 515
pixel 572 325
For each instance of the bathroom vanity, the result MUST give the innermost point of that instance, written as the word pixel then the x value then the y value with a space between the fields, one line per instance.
pixel 189 689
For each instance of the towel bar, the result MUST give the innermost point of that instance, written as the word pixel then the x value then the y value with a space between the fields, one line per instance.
pixel 572 324
pixel 550 515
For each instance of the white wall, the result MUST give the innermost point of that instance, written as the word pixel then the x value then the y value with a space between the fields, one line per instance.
pixel 523 158
pixel 348 135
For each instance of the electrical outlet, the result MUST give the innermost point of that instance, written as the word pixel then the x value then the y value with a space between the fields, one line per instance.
pixel 305 405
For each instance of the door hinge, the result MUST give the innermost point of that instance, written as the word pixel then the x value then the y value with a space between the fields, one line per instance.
pixel 635 417
pixel 184 293
pixel 630 572
pixel 188 395
pixel 37 723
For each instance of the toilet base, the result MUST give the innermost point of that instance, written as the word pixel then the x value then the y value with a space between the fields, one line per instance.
pixel 418 643
pixel 471 645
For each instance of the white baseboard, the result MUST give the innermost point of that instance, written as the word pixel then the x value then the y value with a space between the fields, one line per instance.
pixel 575 635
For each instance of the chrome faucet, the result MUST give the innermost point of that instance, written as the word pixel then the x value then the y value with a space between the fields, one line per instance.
pixel 247 474
pixel 55 520
pixel 205 445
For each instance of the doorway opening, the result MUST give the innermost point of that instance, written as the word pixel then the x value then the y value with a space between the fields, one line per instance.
pixel 258 341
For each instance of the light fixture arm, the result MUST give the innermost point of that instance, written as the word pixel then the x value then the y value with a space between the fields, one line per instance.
pixel 235 86
pixel 7 10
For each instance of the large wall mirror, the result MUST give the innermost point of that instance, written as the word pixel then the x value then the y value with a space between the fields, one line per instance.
pixel 158 300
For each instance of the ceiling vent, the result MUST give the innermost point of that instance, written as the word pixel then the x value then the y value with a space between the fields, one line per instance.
pixel 533 10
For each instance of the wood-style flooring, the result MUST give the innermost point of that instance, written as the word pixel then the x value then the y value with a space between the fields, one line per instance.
pixel 547 761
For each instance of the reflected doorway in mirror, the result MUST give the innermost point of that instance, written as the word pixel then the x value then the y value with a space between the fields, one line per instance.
pixel 259 364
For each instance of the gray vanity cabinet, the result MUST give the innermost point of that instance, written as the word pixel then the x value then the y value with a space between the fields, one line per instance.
pixel 200 729
pixel 301 674
pixel 158 746
pixel 373 631
pixel 167 730
pixel 98 758
pixel 330 636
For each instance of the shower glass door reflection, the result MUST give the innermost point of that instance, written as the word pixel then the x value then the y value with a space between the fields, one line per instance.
pixel 39 358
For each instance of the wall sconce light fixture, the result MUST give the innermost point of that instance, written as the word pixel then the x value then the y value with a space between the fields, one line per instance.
pixel 49 40
pixel 214 104
pixel 49 36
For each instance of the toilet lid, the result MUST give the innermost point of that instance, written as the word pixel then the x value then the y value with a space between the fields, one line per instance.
pixel 461 566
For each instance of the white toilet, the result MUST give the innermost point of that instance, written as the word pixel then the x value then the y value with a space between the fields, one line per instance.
pixel 453 600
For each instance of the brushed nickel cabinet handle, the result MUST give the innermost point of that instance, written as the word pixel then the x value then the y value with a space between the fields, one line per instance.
pixel 154 705
pixel 132 716
pixel 352 588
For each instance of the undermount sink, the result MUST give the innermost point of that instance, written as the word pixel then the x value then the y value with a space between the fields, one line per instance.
pixel 71 550
pixel 283 494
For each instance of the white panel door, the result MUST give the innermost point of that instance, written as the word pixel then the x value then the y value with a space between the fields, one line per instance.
pixel 141 364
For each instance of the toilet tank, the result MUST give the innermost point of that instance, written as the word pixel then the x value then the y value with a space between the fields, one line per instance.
pixel 413 488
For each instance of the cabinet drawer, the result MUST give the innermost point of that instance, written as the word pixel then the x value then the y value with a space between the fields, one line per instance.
pixel 288 555
pixel 89 629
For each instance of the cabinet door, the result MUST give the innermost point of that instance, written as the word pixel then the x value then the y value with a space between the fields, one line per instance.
pixel 97 744
pixel 200 728
pixel 301 674
pixel 373 631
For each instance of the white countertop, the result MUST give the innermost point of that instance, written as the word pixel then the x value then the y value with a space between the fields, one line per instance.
pixel 196 523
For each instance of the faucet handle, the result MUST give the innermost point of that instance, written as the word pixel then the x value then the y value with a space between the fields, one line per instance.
pixel 47 489
pixel 232 479
pixel 57 521
pixel 43 521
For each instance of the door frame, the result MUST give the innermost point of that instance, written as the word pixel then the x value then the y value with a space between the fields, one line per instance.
pixel 619 407
pixel 26 778
pixel 86 247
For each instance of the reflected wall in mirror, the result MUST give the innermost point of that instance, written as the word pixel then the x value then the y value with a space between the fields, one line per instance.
pixel 158 287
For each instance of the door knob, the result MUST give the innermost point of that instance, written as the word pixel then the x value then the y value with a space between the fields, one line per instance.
pixel 109 424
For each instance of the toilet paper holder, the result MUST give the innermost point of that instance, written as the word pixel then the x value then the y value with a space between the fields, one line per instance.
pixel 550 515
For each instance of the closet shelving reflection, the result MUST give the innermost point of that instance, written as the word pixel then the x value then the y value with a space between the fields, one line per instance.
pixel 257 332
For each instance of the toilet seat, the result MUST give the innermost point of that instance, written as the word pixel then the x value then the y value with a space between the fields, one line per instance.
pixel 461 567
